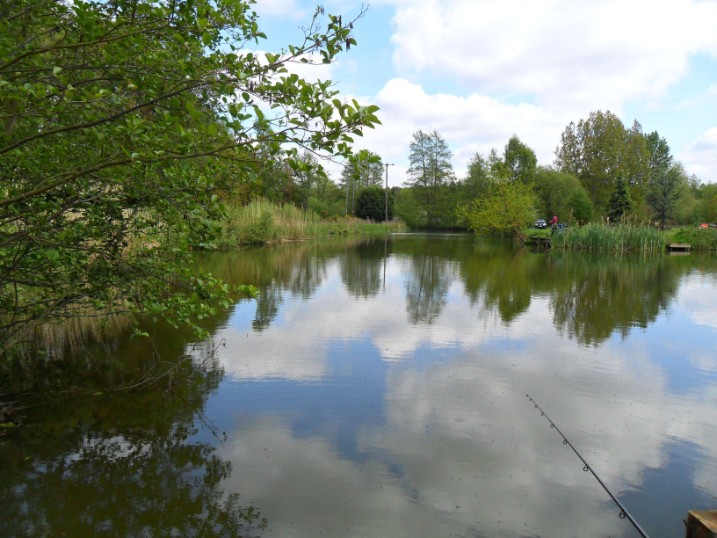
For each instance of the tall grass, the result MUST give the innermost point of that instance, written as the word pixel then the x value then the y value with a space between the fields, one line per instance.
pixel 602 238
pixel 261 222
pixel 68 335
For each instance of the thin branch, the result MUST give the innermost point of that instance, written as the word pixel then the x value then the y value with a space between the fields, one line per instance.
pixel 111 164
pixel 107 119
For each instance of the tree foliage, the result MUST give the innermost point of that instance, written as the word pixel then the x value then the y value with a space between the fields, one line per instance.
pixel 409 209
pixel 372 204
pixel 667 179
pixel 430 171
pixel 707 203
pixel 363 169
pixel 599 149
pixel 479 177
pixel 306 172
pixel 562 194
pixel 660 157
pixel 580 207
pixel 620 203
pixel 507 209
pixel 122 120
pixel 664 191
pixel 520 161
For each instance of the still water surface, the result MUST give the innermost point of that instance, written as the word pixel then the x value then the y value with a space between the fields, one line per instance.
pixel 378 388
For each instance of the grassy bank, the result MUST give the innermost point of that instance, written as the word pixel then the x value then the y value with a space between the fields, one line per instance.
pixel 262 222
pixel 602 238
pixel 701 239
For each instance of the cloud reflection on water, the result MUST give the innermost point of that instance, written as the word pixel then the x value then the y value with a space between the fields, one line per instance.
pixel 460 449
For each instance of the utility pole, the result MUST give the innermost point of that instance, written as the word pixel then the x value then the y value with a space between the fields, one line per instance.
pixel 386 205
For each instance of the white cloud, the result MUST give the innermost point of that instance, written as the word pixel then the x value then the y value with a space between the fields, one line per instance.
pixel 281 8
pixel 313 491
pixel 469 124
pixel 566 54
pixel 697 303
pixel 248 355
pixel 459 442
pixel 481 71
pixel 470 448
pixel 531 68
pixel 700 157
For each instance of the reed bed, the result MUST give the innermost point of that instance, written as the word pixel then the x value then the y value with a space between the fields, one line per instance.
pixel 262 222
pixel 605 238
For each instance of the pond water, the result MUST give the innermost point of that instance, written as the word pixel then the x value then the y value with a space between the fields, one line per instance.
pixel 378 388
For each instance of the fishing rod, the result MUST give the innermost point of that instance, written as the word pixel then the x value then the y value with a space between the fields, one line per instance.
pixel 586 467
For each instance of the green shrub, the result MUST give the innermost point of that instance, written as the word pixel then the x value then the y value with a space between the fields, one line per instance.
pixel 260 231
pixel 371 204
pixel 699 238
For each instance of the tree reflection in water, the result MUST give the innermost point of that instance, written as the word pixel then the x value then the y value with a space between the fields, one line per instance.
pixel 361 268
pixel 597 296
pixel 427 286
pixel 590 296
pixel 102 462
pixel 143 462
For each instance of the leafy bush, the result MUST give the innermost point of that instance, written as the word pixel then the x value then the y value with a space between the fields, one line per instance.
pixel 409 210
pixel 371 204
pixel 699 238
pixel 506 209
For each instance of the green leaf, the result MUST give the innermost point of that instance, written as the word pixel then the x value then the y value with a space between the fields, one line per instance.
pixel 132 193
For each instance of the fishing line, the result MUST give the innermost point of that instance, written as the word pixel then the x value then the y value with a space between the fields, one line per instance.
pixel 586 467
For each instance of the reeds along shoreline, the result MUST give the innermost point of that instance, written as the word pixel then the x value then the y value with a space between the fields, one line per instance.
pixel 68 334
pixel 604 238
pixel 262 222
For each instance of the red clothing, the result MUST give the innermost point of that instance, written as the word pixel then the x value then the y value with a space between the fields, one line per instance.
pixel 554 220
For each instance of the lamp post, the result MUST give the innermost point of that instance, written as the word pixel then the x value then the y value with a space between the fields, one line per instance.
pixel 386 205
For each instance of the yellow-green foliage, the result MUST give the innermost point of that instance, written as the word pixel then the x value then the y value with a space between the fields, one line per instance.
pixel 506 209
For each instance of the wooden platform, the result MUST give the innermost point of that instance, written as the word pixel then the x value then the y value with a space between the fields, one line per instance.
pixel 679 247
pixel 701 524
pixel 539 242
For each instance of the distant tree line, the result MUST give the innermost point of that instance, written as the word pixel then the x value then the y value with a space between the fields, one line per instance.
pixel 603 171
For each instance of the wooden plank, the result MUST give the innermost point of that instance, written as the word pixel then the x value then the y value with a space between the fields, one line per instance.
pixel 679 246
pixel 701 524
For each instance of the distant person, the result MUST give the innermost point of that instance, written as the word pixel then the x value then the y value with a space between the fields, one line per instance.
pixel 554 223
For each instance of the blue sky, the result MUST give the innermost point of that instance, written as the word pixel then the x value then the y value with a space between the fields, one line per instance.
pixel 479 71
